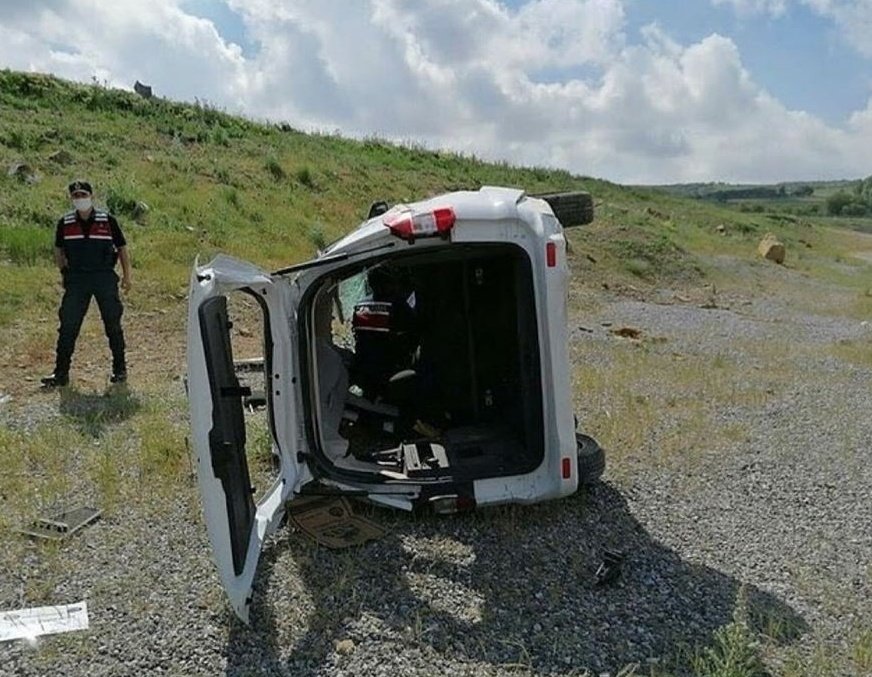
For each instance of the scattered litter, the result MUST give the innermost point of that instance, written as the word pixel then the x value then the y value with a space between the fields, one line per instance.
pixel 330 521
pixel 43 620
pixel 4 398
pixel 587 330
pixel 627 332
pixel 61 525
pixel 610 568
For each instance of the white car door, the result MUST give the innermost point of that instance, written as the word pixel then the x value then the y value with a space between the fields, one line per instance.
pixel 238 526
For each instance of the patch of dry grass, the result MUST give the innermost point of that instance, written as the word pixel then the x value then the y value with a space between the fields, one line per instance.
pixel 647 399
pixel 857 351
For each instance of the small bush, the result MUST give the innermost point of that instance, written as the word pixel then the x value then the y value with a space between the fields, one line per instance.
pixel 223 175
pixel 304 176
pixel 231 195
pixel 854 209
pixel 16 139
pixel 274 168
pixel 315 234
pixel 121 198
pixel 638 267
pixel 220 137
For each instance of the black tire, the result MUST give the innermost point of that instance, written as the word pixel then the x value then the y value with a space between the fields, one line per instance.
pixel 591 459
pixel 571 209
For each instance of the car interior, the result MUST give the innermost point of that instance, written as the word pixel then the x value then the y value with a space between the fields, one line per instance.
pixel 426 364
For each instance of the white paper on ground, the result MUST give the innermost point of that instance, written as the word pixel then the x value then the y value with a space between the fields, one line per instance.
pixel 43 620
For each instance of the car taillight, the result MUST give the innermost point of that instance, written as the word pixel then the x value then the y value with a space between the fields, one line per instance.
pixel 409 225
pixel 448 505
pixel 551 254
pixel 567 468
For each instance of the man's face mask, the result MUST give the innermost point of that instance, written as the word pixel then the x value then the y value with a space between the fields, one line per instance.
pixel 83 204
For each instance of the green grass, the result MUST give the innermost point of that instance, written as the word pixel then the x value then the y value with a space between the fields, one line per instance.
pixel 217 182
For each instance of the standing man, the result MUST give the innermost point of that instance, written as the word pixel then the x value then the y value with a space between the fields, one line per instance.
pixel 88 242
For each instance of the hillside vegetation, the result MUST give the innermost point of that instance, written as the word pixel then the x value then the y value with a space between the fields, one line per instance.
pixel 850 201
pixel 188 180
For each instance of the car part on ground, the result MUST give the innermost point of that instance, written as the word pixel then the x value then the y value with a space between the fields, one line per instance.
pixel 610 568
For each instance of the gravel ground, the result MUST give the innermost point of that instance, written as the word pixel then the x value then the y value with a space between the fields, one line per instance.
pixel 781 518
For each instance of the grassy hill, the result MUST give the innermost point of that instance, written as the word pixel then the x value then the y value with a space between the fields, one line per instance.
pixel 189 180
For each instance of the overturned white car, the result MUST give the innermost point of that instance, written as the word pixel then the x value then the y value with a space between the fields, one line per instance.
pixel 419 362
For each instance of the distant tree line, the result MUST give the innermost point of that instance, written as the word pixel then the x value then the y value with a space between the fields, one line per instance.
pixel 855 201
pixel 759 193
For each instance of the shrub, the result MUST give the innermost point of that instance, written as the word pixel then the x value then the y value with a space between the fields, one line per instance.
pixel 231 195
pixel 304 176
pixel 315 234
pixel 854 209
pixel 837 202
pixel 275 168
pixel 121 197
pixel 220 136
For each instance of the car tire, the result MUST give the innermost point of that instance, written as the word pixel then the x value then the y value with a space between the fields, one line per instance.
pixel 591 459
pixel 571 209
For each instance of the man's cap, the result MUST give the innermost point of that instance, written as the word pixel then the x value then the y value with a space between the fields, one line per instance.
pixel 79 185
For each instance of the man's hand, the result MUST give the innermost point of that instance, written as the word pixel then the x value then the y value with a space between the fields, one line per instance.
pixel 125 284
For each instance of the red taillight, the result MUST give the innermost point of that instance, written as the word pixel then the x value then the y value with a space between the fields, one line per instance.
pixel 567 468
pixel 551 254
pixel 409 225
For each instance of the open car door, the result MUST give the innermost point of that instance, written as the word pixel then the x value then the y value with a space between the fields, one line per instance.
pixel 238 526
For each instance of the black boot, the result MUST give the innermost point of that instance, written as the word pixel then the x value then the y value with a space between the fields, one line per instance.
pixel 55 380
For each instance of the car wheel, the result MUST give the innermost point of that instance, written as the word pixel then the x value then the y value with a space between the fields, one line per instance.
pixel 591 459
pixel 571 209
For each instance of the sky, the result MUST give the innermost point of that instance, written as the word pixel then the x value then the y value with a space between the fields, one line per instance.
pixel 634 91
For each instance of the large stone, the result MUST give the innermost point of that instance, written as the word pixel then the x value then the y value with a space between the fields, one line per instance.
pixel 140 209
pixel 23 172
pixel 771 248
pixel 344 646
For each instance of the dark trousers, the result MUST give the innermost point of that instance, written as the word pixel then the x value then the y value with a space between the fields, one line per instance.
pixel 79 287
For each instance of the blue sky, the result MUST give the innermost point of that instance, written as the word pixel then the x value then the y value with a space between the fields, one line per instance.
pixel 631 90
pixel 797 56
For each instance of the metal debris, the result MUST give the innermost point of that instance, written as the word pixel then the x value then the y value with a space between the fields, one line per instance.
pixel 610 568
pixel 43 620
pixel 61 525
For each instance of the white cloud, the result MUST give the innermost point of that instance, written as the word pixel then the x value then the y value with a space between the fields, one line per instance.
pixel 119 42
pixel 461 74
pixel 854 19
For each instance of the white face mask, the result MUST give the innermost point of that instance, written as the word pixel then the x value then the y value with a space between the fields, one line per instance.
pixel 83 204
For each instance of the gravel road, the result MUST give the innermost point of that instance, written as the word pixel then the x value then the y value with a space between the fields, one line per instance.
pixel 781 519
